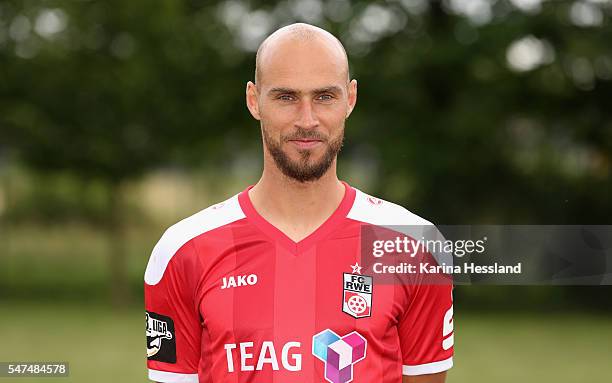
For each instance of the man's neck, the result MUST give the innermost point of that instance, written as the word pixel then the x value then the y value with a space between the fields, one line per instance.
pixel 296 208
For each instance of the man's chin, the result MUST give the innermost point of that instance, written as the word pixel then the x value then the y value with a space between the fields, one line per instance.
pixel 306 165
pixel 305 171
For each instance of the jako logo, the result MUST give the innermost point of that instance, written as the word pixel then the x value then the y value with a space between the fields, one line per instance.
pixel 339 353
pixel 240 280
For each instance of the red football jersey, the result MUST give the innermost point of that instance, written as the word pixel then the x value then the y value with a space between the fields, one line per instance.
pixel 230 298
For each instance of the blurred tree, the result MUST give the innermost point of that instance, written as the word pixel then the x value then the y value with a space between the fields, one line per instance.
pixel 469 111
pixel 110 89
pixel 495 114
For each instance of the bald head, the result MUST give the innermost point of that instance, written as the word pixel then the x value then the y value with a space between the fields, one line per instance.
pixel 302 97
pixel 295 36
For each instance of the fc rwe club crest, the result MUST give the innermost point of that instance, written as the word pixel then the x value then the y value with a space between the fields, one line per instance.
pixel 357 295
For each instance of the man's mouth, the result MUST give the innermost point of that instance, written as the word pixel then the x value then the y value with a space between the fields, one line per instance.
pixel 305 143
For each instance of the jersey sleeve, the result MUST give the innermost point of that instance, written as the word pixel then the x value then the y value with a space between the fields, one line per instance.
pixel 173 325
pixel 426 330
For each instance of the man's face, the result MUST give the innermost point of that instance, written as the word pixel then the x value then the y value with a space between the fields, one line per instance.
pixel 303 100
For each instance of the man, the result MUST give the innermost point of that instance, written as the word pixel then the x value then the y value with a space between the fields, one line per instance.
pixel 266 286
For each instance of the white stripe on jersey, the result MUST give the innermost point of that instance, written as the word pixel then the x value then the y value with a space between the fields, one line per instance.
pixel 182 232
pixel 428 368
pixel 172 377
pixel 375 211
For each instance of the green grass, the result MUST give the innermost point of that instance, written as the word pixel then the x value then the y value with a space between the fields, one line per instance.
pixel 524 348
pixel 103 345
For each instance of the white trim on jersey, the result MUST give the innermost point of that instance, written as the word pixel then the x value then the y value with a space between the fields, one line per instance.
pixel 378 212
pixel 182 232
pixel 428 368
pixel 172 377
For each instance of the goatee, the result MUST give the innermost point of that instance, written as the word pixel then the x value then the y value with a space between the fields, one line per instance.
pixel 302 170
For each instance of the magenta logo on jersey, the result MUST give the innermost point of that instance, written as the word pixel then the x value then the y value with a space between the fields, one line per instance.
pixel 339 354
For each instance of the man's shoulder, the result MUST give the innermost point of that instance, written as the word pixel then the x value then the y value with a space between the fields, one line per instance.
pixel 377 211
pixel 177 235
pixel 212 217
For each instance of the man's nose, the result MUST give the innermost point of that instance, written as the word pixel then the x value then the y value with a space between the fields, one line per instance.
pixel 307 118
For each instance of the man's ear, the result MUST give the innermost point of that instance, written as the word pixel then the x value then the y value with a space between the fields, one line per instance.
pixel 252 100
pixel 352 97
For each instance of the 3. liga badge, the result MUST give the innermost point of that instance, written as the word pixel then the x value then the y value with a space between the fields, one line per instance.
pixel 357 295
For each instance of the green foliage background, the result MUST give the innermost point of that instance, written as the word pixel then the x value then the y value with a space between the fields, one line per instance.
pixel 449 127
pixel 98 96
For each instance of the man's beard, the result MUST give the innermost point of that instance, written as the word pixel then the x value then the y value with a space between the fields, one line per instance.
pixel 302 170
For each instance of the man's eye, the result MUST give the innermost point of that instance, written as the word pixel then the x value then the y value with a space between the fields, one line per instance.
pixel 285 97
pixel 325 97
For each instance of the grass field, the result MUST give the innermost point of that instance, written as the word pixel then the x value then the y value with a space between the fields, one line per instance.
pixel 103 345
